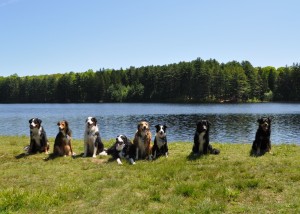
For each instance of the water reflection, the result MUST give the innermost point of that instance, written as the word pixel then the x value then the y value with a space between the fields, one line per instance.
pixel 230 123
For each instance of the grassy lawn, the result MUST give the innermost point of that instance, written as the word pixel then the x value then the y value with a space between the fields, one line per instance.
pixel 232 182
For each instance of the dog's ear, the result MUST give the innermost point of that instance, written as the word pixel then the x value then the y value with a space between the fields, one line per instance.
pixel 40 121
pixel 94 120
pixel 67 124
pixel 58 123
pixel 157 126
pixel 270 119
pixel 165 126
pixel 30 121
pixel 258 120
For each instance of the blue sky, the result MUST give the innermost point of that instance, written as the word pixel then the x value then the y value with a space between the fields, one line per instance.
pixel 58 36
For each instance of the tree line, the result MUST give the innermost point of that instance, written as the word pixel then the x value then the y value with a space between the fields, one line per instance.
pixel 193 82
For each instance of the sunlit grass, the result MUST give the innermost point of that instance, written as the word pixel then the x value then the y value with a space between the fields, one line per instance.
pixel 232 182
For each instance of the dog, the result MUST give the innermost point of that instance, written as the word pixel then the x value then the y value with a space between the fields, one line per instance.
pixel 38 138
pixel 63 144
pixel 92 141
pixel 160 146
pixel 122 148
pixel 142 141
pixel 262 142
pixel 201 139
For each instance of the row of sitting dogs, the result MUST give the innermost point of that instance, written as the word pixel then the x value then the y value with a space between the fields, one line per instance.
pixel 140 148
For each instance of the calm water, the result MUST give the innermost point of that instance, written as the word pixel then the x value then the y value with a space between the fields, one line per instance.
pixel 235 123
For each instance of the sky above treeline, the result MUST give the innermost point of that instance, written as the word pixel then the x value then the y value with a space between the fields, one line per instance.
pixel 59 36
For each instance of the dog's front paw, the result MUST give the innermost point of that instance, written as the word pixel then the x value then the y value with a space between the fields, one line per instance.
pixel 103 153
pixel 119 161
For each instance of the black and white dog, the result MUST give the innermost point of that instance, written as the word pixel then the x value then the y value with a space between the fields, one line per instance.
pixel 38 138
pixel 160 146
pixel 201 139
pixel 262 142
pixel 92 140
pixel 122 148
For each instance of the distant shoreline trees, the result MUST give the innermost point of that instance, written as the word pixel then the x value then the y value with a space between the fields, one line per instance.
pixel 198 81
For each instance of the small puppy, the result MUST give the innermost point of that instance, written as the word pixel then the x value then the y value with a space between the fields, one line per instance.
pixel 201 139
pixel 262 142
pixel 160 146
pixel 92 140
pixel 38 138
pixel 142 141
pixel 62 144
pixel 122 148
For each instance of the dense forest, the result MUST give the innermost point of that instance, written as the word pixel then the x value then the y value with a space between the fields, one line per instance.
pixel 193 82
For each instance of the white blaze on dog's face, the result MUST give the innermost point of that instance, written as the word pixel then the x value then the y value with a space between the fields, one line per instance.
pixel 91 121
pixel 120 142
pixel 35 123
pixel 161 130
pixel 202 126
pixel 143 127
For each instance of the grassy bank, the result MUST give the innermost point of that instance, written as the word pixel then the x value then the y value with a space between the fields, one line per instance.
pixel 232 182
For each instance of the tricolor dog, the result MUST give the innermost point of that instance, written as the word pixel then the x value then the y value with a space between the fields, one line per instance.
pixel 63 144
pixel 38 138
pixel 201 139
pixel 142 141
pixel 92 140
pixel 160 146
pixel 122 148
pixel 262 142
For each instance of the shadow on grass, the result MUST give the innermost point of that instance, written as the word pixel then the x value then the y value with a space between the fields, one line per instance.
pixel 22 155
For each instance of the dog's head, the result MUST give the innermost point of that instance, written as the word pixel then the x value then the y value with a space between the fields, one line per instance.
pixel 161 130
pixel 203 126
pixel 91 121
pixel 143 128
pixel 35 123
pixel 264 123
pixel 121 142
pixel 63 125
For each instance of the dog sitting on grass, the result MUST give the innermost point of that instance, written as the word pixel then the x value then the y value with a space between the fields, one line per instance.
pixel 63 144
pixel 262 142
pixel 201 139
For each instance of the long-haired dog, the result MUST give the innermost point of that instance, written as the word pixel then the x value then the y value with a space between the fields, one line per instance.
pixel 160 146
pixel 201 139
pixel 262 142
pixel 63 144
pixel 122 148
pixel 38 137
pixel 142 141
pixel 92 141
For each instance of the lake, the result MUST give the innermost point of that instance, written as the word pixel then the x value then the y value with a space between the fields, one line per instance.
pixel 233 123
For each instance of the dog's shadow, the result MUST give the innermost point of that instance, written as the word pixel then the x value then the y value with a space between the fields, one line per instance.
pixel 53 156
pixel 22 155
pixel 192 156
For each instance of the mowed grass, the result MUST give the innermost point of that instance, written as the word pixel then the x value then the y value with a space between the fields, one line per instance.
pixel 232 182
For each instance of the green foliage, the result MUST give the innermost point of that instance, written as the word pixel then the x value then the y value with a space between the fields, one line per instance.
pixel 195 81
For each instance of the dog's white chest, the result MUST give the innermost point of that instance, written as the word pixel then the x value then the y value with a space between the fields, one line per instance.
pixel 160 141
pixel 201 141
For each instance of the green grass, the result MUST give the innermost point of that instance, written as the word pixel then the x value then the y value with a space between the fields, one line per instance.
pixel 232 182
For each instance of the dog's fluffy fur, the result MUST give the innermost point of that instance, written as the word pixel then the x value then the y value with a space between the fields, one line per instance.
pixel 262 142
pixel 160 146
pixel 63 144
pixel 201 139
pixel 38 137
pixel 122 148
pixel 142 141
pixel 92 140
